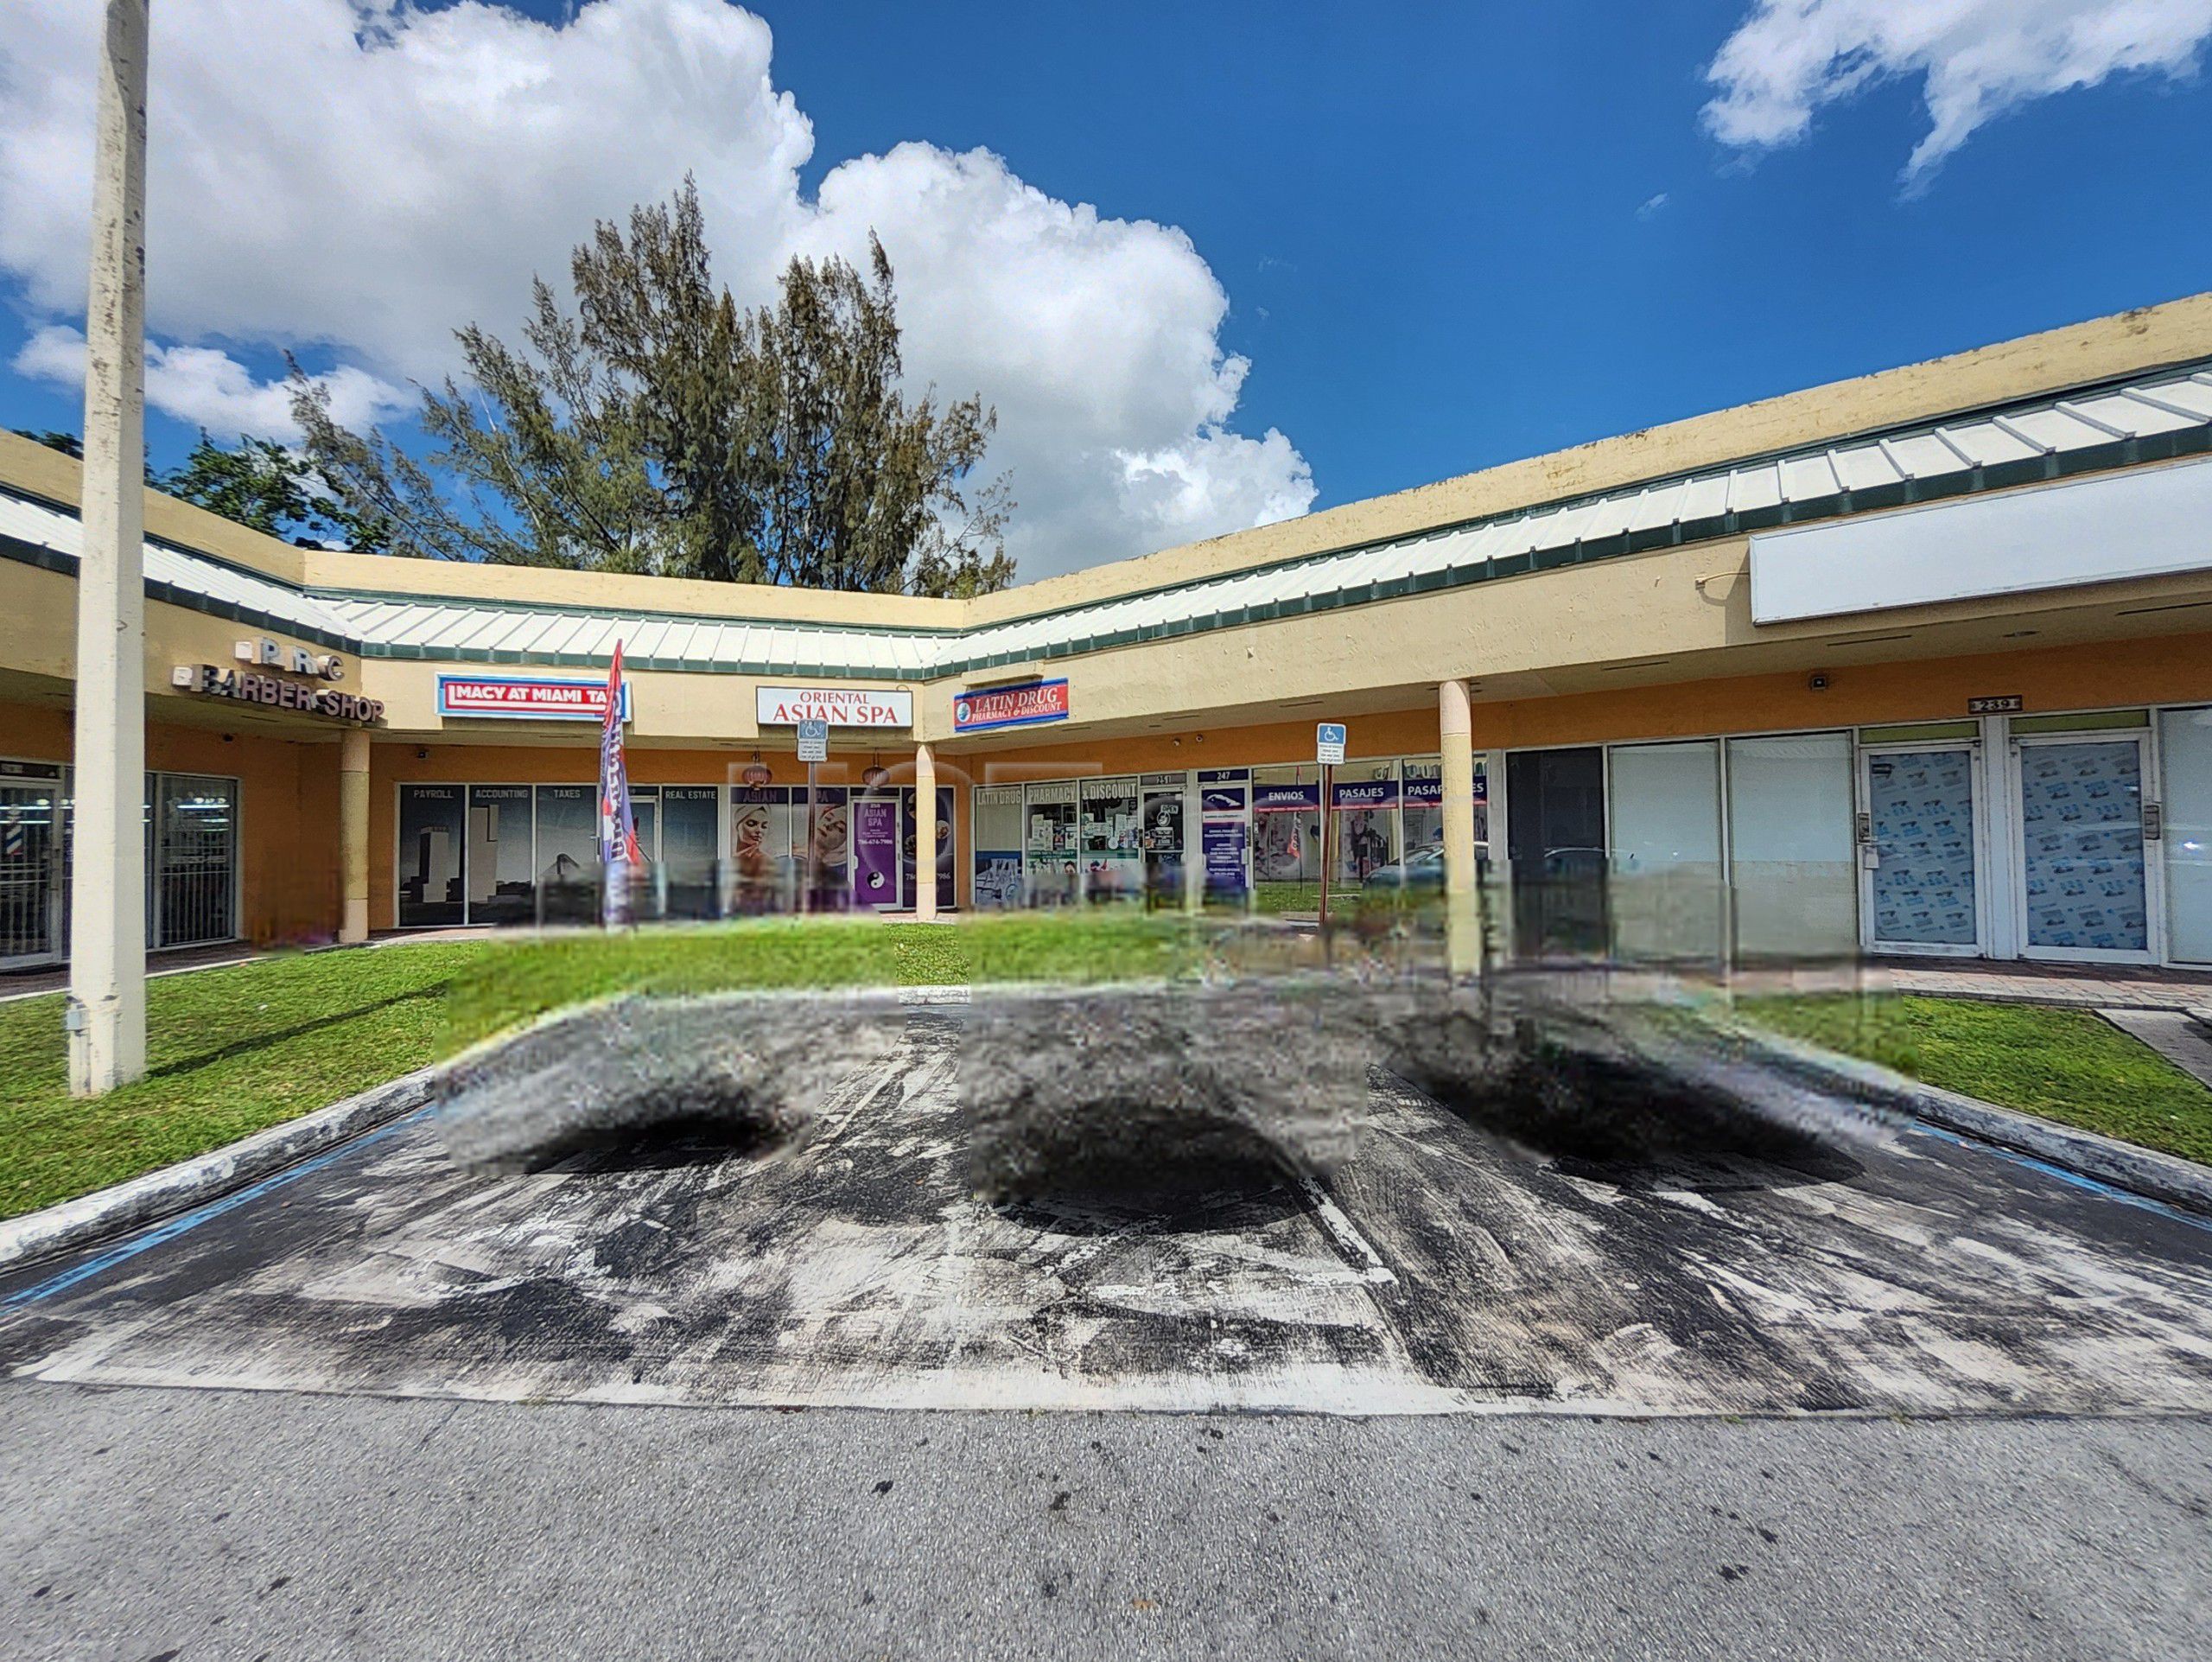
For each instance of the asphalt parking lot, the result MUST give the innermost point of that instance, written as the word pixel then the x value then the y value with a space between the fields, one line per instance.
pixel 1871 1392
pixel 1877 1267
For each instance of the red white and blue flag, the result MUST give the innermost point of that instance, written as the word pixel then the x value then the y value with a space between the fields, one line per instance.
pixel 618 824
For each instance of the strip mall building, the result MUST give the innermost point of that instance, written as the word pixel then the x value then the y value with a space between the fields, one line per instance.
pixel 1921 662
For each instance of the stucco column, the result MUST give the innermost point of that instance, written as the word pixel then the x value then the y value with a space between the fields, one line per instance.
pixel 353 835
pixel 1194 850
pixel 106 1015
pixel 1462 914
pixel 925 834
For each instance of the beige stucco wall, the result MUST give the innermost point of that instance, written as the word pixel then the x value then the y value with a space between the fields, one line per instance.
pixel 2128 343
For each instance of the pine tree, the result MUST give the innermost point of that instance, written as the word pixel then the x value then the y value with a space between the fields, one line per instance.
pixel 661 429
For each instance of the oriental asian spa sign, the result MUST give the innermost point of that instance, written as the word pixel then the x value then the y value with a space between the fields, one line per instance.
pixel 839 706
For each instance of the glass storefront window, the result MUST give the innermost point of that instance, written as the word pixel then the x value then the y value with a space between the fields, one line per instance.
pixel 2082 849
pixel 1921 809
pixel 1112 840
pixel 567 853
pixel 761 852
pixel 1665 893
pixel 994 822
pixel 1160 832
pixel 1792 862
pixel 1286 839
pixel 2185 744
pixel 1365 833
pixel 502 880
pixel 1224 834
pixel 32 894
pixel 688 862
pixel 433 821
pixel 1055 872
pixel 195 860
pixel 878 824
pixel 1556 840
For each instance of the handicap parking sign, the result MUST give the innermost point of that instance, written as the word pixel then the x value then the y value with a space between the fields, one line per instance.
pixel 1329 742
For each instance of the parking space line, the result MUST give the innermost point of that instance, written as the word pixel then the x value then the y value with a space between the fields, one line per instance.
pixel 199 1215
pixel 1368 1263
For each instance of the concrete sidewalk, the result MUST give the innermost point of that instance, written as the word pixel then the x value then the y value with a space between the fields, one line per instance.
pixel 2115 986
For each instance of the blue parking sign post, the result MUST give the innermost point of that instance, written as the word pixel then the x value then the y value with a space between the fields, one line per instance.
pixel 1328 750
pixel 813 746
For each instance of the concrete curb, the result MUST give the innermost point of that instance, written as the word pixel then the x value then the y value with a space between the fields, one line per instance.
pixel 2155 1176
pixel 163 1193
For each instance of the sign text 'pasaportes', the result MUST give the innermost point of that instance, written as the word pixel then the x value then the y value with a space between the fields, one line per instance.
pixel 246 687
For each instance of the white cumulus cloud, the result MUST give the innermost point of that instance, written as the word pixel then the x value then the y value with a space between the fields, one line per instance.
pixel 359 177
pixel 1975 59
pixel 208 387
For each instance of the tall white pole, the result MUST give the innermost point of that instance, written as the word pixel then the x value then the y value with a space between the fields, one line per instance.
pixel 107 895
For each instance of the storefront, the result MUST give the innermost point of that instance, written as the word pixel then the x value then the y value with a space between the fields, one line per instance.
pixel 192 861
pixel 1121 838
pixel 1917 665
pixel 469 855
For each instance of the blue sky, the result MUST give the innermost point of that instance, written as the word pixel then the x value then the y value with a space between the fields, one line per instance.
pixel 1446 236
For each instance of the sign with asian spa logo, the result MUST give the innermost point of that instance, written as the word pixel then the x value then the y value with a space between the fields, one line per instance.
pixel 1021 706
pixel 839 706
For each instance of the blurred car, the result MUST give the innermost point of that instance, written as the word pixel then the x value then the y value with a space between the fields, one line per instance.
pixel 1421 868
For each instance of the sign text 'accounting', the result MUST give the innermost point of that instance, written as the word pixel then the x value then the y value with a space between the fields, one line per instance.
pixel 1021 706
pixel 839 706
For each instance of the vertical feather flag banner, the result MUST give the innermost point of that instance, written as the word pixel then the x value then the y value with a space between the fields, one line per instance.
pixel 618 824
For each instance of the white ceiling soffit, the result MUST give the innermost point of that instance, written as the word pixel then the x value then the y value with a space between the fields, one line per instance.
pixel 2156 522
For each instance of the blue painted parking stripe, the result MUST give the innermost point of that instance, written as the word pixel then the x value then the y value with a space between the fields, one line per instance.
pixel 176 1226
pixel 2074 1179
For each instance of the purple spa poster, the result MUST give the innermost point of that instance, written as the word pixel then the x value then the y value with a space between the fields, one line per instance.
pixel 875 851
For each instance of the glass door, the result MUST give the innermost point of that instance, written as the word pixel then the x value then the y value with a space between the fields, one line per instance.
pixel 1920 848
pixel 1555 839
pixel 2085 884
pixel 30 870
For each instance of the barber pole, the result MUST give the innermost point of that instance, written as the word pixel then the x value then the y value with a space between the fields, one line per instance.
pixel 618 825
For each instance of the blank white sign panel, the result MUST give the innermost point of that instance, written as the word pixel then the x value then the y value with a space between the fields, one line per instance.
pixel 2154 522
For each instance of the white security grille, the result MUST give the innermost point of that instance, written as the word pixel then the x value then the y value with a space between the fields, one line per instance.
pixel 193 861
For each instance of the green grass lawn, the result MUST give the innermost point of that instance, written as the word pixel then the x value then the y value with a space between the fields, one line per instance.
pixel 2065 1065
pixel 232 1051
